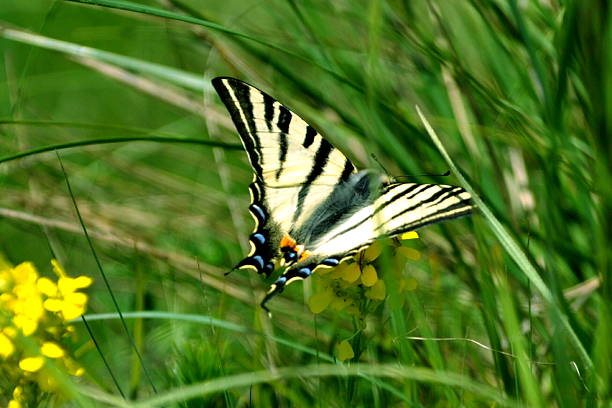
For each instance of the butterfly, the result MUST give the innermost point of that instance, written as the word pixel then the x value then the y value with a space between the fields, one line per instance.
pixel 312 208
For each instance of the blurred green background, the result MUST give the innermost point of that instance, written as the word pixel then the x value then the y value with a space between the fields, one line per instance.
pixel 515 300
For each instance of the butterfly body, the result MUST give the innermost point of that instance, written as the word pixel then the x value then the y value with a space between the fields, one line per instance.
pixel 312 207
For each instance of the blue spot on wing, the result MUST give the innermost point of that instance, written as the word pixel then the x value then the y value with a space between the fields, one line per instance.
pixel 259 262
pixel 259 212
pixel 304 272
pixel 258 239
pixel 330 262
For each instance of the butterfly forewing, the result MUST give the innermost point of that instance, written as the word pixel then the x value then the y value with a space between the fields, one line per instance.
pixel 295 168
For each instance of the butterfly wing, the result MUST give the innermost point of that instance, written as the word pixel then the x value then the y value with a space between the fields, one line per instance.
pixel 295 168
pixel 400 207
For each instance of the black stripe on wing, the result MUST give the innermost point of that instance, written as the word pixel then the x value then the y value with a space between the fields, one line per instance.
pixel 315 171
pixel 284 120
pixel 246 126
pixel 437 199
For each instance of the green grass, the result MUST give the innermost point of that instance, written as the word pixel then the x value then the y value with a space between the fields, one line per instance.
pixel 511 305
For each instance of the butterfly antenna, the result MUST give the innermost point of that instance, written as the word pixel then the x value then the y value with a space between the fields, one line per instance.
pixel 381 166
pixel 447 173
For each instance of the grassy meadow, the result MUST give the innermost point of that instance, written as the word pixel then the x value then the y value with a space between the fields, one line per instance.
pixel 118 160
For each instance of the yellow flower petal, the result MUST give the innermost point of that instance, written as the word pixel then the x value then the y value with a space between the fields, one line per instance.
pixel 53 305
pixel 25 272
pixel 6 346
pixel 25 324
pixel 409 253
pixel 351 273
pixel 14 404
pixel 47 286
pixel 33 308
pixel 76 298
pixel 66 285
pixel 319 301
pixel 72 310
pixel 52 350
pixel 378 291
pixel 368 275
pixel 82 282
pixel 10 332
pixel 18 393
pixel 31 364
pixel 345 351
pixel 338 271
pixel 409 235
pixel 372 252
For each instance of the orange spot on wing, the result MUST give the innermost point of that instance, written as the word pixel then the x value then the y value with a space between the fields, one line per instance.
pixel 287 241
pixel 304 255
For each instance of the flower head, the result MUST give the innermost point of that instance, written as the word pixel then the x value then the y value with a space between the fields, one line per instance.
pixel 356 286
pixel 38 308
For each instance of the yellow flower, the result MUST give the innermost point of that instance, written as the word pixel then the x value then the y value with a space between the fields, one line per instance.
pixel 25 324
pixel 10 332
pixel 372 252
pixel 351 273
pixel 51 350
pixel 6 346
pixel 338 271
pixel 24 273
pixel 319 301
pixel 378 291
pixel 46 286
pixel 64 298
pixel 69 285
pixel 31 364
pixel 26 301
pixel 368 275
pixel 345 351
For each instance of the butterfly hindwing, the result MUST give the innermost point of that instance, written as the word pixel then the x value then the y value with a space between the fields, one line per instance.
pixel 399 208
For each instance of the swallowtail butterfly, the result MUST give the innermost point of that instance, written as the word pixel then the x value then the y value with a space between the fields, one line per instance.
pixel 312 207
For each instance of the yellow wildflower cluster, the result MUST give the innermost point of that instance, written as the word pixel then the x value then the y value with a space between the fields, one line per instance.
pixel 34 312
pixel 356 287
